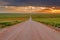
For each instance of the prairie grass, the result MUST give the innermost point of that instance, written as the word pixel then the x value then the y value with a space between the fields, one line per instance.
pixel 9 19
pixel 49 19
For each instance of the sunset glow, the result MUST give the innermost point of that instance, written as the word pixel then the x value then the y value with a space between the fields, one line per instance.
pixel 28 9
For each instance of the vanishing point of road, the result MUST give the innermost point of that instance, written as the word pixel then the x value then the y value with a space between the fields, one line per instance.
pixel 29 30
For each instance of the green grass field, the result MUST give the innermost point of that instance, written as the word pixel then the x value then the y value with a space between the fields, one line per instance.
pixel 8 19
pixel 48 19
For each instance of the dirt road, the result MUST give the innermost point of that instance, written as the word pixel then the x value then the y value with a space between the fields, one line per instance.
pixel 29 30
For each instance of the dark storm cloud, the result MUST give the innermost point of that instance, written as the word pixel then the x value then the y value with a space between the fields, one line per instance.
pixel 32 2
pixel 2 3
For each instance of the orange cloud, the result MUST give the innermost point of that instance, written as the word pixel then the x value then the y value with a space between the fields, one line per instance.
pixel 28 9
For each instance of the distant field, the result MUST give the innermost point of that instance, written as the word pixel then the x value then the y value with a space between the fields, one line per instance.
pixel 49 19
pixel 8 19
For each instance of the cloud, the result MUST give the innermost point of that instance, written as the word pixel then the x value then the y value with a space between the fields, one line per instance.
pixel 11 9
pixel 30 2
pixel 27 9
pixel 3 3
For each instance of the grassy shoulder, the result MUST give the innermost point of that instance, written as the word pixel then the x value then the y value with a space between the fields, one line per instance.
pixel 48 19
pixel 8 19
pixel 8 23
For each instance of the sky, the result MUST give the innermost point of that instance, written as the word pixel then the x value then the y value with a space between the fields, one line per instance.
pixel 16 3
pixel 30 2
